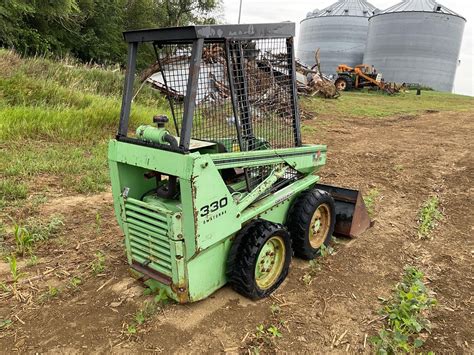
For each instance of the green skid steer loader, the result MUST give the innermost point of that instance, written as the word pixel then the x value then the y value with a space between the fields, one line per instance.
pixel 224 191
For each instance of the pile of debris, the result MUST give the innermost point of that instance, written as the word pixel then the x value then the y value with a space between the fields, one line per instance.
pixel 266 77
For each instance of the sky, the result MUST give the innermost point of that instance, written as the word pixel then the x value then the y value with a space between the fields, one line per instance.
pixel 261 11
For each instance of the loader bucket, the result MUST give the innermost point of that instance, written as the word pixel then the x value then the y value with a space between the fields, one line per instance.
pixel 352 218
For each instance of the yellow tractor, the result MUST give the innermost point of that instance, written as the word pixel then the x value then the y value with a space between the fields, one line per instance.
pixel 362 76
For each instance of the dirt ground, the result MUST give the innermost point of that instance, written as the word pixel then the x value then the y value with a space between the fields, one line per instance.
pixel 407 159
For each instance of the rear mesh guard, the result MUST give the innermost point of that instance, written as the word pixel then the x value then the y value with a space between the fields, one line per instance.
pixel 255 100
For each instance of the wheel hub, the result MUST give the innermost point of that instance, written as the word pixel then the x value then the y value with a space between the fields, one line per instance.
pixel 319 226
pixel 270 262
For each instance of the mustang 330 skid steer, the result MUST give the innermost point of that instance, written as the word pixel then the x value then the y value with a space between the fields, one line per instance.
pixel 225 192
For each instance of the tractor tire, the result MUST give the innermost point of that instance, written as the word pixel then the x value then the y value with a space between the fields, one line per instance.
pixel 259 259
pixel 311 222
pixel 344 83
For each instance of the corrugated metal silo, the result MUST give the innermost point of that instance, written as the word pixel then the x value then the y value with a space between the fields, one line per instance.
pixel 340 31
pixel 416 41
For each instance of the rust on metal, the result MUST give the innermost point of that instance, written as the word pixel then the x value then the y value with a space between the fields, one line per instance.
pixel 164 279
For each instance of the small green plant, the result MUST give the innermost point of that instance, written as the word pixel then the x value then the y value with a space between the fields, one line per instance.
pixel 405 315
pixel 53 291
pixel 325 251
pixel 275 309
pixel 23 240
pixel 4 287
pixel 369 200
pixel 42 231
pixel 33 260
pixel 314 268
pixel 428 217
pixel 75 282
pixel 98 264
pixel 98 222
pixel 274 331
pixel 12 190
pixel 5 323
pixel 16 275
pixel 131 329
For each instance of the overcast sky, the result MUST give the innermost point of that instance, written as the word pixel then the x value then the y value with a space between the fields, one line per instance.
pixel 260 11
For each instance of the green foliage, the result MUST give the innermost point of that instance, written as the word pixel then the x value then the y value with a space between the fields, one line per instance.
pixel 5 323
pixel 378 106
pixel 369 200
pixel 91 30
pixel 42 230
pixel 16 275
pixel 23 240
pixel 98 264
pixel 405 315
pixel 428 217
pixel 11 190
pixel 75 282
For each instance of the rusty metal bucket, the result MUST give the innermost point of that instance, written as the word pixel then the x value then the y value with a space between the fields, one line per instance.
pixel 352 218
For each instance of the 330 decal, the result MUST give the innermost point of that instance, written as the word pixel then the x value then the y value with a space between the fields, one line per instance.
pixel 213 207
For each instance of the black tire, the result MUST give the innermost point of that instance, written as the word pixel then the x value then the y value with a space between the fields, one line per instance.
pixel 344 83
pixel 242 260
pixel 299 221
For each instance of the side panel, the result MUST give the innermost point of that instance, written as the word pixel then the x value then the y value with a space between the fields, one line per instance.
pixel 206 272
pixel 215 213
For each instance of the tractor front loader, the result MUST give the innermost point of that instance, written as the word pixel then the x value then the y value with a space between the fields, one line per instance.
pixel 362 76
pixel 223 190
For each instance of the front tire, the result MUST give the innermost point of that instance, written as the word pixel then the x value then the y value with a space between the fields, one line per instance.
pixel 343 84
pixel 311 223
pixel 259 259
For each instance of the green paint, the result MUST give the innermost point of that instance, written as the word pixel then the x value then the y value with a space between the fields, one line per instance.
pixel 188 240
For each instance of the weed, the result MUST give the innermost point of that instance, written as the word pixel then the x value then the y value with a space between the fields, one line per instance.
pixel 5 323
pixel 75 282
pixel 369 200
pixel 314 268
pixel 12 190
pixel 4 287
pixel 16 275
pixel 274 331
pixel 43 231
pixel 325 251
pixel 131 329
pixel 264 337
pixel 23 240
pixel 428 217
pixel 53 291
pixel 153 288
pixel 275 309
pixel 405 315
pixel 98 264
pixel 33 260
pixel 98 222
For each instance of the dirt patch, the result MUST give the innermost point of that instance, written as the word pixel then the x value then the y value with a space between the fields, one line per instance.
pixel 406 159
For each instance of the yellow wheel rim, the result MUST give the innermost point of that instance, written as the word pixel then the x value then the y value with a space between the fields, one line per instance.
pixel 270 262
pixel 319 226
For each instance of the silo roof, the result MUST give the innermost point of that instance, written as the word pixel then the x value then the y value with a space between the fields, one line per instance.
pixel 419 6
pixel 360 8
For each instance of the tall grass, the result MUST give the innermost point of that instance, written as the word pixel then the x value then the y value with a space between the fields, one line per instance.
pixel 64 101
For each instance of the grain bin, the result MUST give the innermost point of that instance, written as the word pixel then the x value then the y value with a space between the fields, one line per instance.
pixel 416 41
pixel 340 31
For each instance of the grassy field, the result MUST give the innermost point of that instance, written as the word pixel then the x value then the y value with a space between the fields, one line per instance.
pixel 56 118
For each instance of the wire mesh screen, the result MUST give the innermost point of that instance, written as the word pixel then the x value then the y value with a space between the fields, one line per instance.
pixel 244 95
pixel 261 114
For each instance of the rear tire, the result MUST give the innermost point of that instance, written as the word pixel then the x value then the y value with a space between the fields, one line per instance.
pixel 311 221
pixel 259 259
pixel 343 83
